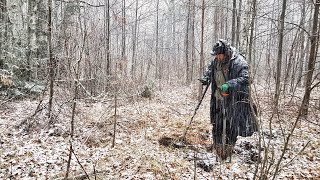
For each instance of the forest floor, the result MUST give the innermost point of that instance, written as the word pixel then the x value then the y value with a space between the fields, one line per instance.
pixel 31 149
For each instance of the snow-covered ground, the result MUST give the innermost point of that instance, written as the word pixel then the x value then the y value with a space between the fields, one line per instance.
pixel 42 152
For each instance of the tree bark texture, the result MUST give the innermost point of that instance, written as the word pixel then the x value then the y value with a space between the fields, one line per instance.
pixel 233 28
pixel 3 31
pixel 188 78
pixel 312 59
pixel 51 62
pixel 201 49
pixel 279 57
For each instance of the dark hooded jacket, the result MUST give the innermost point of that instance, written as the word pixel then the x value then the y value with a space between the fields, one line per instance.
pixel 235 107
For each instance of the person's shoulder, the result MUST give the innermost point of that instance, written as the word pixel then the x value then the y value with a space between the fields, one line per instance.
pixel 239 58
pixel 242 58
pixel 239 62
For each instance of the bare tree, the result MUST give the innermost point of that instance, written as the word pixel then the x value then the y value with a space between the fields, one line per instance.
pixel 192 38
pixel 233 28
pixel 312 59
pixel 51 61
pixel 201 47
pixel 279 58
pixel 215 32
pixel 41 37
pixel 107 40
pixel 134 42
pixel 186 43
pixel 77 74
pixel 123 39
pixel 252 26
pixel 290 62
pixel 237 40
pixel 30 54
pixel 157 71
pixel 302 46
pixel 3 31
pixel 174 35
pixel 115 116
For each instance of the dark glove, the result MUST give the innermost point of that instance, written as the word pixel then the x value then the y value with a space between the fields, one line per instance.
pixel 204 81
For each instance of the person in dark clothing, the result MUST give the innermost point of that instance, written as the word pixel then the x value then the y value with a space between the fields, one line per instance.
pixel 231 112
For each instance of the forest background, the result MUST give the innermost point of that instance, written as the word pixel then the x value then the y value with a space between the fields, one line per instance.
pixel 74 73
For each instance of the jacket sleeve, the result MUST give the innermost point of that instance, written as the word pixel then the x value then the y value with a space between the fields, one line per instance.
pixel 242 79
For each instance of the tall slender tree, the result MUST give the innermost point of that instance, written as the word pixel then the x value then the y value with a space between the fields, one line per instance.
pixel 174 51
pixel 41 37
pixel 233 28
pixel 186 43
pixel 237 40
pixel 279 56
pixel 302 45
pixel 215 32
pixel 3 31
pixel 41 23
pixel 123 38
pixel 51 61
pixel 201 47
pixel 30 54
pixel 312 59
pixel 107 37
pixel 157 70
pixel 192 38
pixel 134 42
pixel 252 28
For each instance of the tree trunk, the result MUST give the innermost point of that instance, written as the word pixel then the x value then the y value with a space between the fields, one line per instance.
pixel 233 29
pixel 74 104
pixel 238 26
pixel 187 44
pixel 134 42
pixel 115 116
pixel 41 37
pixel 77 71
pixel 307 55
pixel 279 58
pixel 302 46
pixel 215 32
pixel 225 24
pixel 51 63
pixel 252 24
pixel 201 49
pixel 123 38
pixel 312 60
pixel 107 54
pixel 3 31
pixel 290 62
pixel 30 54
pixel 107 38
pixel 157 75
pixel 192 29
pixel 174 51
